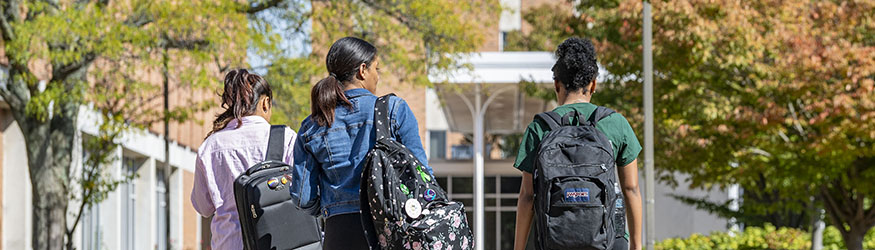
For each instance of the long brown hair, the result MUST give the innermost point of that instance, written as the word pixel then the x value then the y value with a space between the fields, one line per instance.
pixel 343 61
pixel 240 97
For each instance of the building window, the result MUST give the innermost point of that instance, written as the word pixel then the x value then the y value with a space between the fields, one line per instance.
pixel 500 197
pixel 90 216
pixel 437 147
pixel 462 152
pixel 91 228
pixel 502 40
pixel 466 152
pixel 129 202
pixel 161 210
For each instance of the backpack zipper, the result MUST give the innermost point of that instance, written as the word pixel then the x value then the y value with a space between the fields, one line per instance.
pixel 252 207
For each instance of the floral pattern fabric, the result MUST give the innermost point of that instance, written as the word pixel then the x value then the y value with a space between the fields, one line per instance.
pixel 392 181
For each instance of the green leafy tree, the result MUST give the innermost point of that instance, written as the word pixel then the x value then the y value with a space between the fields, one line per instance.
pixel 62 56
pixel 414 38
pixel 776 96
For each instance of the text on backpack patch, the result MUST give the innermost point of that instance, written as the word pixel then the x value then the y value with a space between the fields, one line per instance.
pixel 576 194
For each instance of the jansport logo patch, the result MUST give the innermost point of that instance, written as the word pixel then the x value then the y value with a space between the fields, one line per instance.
pixel 576 194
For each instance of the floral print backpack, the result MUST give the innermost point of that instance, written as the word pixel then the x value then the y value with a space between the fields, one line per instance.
pixel 403 207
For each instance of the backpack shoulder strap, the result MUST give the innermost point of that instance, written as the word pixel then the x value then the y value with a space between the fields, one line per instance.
pixel 381 117
pixel 551 118
pixel 599 114
pixel 366 215
pixel 275 143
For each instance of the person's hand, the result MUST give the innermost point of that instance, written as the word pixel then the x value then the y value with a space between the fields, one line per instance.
pixel 633 246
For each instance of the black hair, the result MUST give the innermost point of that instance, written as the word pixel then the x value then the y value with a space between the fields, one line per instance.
pixel 343 61
pixel 240 97
pixel 576 66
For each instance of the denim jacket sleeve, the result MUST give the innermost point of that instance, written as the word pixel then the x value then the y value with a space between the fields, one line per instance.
pixel 406 131
pixel 305 179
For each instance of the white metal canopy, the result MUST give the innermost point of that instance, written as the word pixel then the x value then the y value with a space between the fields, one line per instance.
pixel 486 98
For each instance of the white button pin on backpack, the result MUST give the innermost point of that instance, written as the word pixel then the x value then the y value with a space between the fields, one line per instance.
pixel 413 208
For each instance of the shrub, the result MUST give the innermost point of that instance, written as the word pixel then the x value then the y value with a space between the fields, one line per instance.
pixel 767 237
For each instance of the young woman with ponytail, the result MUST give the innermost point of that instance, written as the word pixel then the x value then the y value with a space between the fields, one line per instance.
pixel 334 139
pixel 238 140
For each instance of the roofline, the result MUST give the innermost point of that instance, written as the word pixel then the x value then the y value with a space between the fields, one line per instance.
pixel 499 67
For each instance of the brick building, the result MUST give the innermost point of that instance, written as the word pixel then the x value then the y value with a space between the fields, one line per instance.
pixel 133 216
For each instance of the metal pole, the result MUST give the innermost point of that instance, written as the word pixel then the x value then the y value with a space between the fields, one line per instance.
pixel 649 213
pixel 167 168
pixel 479 214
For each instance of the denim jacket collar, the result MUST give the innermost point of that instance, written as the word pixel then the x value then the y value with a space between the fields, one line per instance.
pixel 353 93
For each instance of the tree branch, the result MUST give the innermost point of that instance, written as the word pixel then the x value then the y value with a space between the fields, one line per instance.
pixel 261 6
pixel 14 91
pixel 870 213
pixel 832 210
pixel 79 214
pixel 6 29
pixel 61 72
pixel 847 196
pixel 184 44
pixel 411 23
pixel 796 123
pixel 140 19
pixel 222 68
pixel 400 18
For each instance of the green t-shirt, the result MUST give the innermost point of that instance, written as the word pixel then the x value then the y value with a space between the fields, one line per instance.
pixel 615 127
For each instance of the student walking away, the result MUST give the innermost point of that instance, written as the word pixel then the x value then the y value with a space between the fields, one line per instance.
pixel 335 138
pixel 238 140
pixel 568 158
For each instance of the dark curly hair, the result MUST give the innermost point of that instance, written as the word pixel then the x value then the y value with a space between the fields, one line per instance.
pixel 577 65
pixel 240 98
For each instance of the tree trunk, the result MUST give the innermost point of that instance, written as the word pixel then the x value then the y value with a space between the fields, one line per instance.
pixel 49 153
pixel 49 207
pixel 849 214
pixel 854 238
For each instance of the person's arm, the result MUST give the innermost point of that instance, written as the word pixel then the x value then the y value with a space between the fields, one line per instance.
pixel 406 130
pixel 291 136
pixel 525 162
pixel 629 185
pixel 525 211
pixel 201 193
pixel 305 179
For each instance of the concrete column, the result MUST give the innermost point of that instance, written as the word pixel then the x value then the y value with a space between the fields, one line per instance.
pixel 17 206
pixel 145 219
pixel 176 201
pixel 479 214
pixel 111 208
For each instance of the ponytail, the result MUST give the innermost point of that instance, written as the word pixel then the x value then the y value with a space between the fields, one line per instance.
pixel 240 97
pixel 324 97
pixel 343 61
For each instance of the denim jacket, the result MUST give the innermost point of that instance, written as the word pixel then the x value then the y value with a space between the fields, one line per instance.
pixel 328 162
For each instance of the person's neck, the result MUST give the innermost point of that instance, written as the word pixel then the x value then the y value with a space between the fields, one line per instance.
pixel 576 98
pixel 352 85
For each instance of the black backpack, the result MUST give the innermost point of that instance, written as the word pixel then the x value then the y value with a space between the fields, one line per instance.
pixel 574 184
pixel 268 217
pixel 402 205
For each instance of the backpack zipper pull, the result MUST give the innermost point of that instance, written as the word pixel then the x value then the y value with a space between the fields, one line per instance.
pixel 604 168
pixel 252 207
